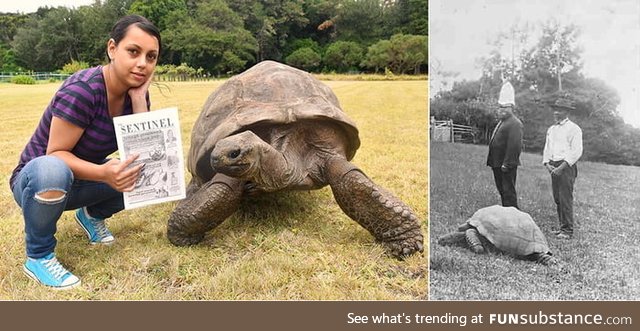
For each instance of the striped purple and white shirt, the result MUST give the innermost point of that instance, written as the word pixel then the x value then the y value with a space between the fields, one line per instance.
pixel 82 101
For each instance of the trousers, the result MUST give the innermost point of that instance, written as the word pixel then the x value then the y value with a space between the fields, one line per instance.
pixel 562 187
pixel 50 173
pixel 506 185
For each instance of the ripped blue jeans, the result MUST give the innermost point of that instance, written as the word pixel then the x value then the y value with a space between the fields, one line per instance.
pixel 50 173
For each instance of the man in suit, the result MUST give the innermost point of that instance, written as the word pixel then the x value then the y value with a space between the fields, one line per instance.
pixel 562 149
pixel 505 146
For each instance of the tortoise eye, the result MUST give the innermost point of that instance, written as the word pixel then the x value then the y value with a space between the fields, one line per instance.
pixel 233 154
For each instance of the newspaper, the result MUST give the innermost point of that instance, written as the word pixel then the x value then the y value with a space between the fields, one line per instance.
pixel 155 136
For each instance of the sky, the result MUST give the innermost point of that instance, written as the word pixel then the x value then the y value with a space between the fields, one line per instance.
pixel 460 31
pixel 30 6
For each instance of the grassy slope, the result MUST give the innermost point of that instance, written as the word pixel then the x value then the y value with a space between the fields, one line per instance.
pixel 290 246
pixel 601 262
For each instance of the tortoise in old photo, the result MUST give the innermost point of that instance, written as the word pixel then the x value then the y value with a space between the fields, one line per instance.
pixel 275 128
pixel 504 228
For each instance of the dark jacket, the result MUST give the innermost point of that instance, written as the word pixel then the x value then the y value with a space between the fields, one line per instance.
pixel 506 144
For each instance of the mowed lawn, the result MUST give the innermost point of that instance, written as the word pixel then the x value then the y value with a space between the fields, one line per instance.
pixel 291 246
pixel 600 263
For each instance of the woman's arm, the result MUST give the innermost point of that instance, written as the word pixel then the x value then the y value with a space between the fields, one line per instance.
pixel 63 137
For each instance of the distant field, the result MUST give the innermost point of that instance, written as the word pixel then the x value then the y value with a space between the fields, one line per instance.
pixel 297 246
pixel 600 263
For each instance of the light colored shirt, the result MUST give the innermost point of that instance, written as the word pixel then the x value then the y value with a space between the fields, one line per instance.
pixel 564 142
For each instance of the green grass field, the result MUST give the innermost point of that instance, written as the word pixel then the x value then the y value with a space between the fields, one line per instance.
pixel 600 263
pixel 291 246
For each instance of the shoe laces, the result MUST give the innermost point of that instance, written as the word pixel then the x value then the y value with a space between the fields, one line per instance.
pixel 100 228
pixel 55 268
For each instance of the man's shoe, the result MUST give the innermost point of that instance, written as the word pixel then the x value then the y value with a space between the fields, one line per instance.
pixel 563 235
pixel 95 228
pixel 48 271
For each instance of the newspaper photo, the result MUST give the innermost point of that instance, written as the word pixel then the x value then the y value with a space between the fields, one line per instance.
pixel 155 137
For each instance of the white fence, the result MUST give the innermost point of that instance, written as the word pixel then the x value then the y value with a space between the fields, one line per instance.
pixel 7 76
pixel 451 132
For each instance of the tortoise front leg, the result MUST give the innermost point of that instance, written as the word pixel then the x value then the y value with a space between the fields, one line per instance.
pixel 204 209
pixel 544 258
pixel 473 240
pixel 387 218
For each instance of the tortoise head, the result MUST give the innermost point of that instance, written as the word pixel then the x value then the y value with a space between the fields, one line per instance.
pixel 237 155
pixel 464 227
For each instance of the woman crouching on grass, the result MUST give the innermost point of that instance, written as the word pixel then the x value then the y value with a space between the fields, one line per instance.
pixel 64 165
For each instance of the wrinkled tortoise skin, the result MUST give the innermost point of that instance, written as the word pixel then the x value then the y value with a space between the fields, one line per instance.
pixel 276 128
pixel 507 229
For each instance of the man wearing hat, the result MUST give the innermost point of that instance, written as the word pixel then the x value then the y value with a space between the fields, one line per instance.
pixel 505 146
pixel 562 149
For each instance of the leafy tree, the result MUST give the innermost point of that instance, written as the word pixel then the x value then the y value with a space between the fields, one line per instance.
pixel 53 37
pixel 8 60
pixel 402 53
pixel 408 52
pixel 304 58
pixel 60 38
pixel 24 45
pixel 96 22
pixel 378 55
pixel 9 24
pixel 320 28
pixel 558 51
pixel 361 21
pixel 408 17
pixel 302 43
pixel 540 74
pixel 271 22
pixel 157 11
pixel 221 36
pixel 343 56
pixel 220 46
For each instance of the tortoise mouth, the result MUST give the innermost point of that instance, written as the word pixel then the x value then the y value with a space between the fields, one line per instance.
pixel 232 169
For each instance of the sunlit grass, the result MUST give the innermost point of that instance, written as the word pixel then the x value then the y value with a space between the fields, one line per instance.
pixel 600 263
pixel 280 247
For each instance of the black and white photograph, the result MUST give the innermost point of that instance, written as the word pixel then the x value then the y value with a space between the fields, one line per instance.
pixel 534 150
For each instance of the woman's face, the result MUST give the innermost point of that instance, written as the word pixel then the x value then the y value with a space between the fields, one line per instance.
pixel 135 57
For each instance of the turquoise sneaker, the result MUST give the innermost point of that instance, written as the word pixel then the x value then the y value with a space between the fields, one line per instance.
pixel 95 228
pixel 48 271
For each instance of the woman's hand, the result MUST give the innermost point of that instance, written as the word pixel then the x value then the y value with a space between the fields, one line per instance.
pixel 138 96
pixel 119 176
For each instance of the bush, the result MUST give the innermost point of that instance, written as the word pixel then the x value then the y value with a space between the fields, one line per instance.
pixel 73 67
pixel 343 56
pixel 304 58
pixel 23 79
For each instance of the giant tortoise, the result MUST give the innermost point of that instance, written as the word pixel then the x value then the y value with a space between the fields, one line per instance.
pixel 505 228
pixel 273 128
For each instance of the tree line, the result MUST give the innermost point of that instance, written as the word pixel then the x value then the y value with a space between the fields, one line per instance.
pixel 550 68
pixel 223 37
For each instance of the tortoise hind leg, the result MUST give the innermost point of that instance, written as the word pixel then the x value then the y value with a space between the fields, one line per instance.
pixel 204 209
pixel 387 218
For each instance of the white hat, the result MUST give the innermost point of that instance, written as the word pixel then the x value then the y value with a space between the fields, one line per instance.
pixel 507 95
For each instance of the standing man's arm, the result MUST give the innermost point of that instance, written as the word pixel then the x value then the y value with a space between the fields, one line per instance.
pixel 514 146
pixel 575 143
pixel 546 153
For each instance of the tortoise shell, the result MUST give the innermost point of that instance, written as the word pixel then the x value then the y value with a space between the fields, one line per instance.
pixel 271 94
pixel 510 230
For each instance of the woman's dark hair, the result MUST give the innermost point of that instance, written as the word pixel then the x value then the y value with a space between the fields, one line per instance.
pixel 119 29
